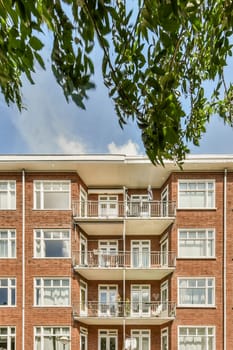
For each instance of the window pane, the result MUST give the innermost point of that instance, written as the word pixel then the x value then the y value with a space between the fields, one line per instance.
pixel 56 200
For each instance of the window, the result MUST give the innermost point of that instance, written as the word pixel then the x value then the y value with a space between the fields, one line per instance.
pixel 108 206
pixel 164 339
pixel 83 298
pixel 50 338
pixel 196 243
pixel 196 338
pixel 196 194
pixel 7 195
pixel 196 292
pixel 52 195
pixel 7 338
pixel 7 243
pixel 140 296
pixel 52 243
pixel 7 291
pixel 108 300
pixel 108 251
pixel 140 205
pixel 83 338
pixel 107 340
pixel 140 254
pixel 142 338
pixel 52 292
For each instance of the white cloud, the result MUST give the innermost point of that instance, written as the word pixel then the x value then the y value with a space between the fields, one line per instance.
pixel 69 146
pixel 129 148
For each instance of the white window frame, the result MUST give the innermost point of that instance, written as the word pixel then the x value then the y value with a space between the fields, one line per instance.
pixel 140 243
pixel 39 235
pixel 139 333
pixel 84 288
pixel 11 242
pixel 140 205
pixel 40 332
pixel 206 190
pixel 83 333
pixel 107 333
pixel 143 309
pixel 41 192
pixel 192 335
pixel 191 232
pixel 107 288
pixel 206 287
pixel 165 333
pixel 11 288
pixel 108 201
pixel 83 203
pixel 107 251
pixel 9 192
pixel 39 285
pixel 10 333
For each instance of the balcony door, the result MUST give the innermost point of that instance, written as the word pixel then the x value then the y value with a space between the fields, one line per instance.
pixel 164 297
pixel 83 251
pixel 164 202
pixel 140 300
pixel 164 253
pixel 108 251
pixel 83 298
pixel 140 205
pixel 142 338
pixel 140 253
pixel 108 300
pixel 107 340
pixel 83 202
pixel 108 206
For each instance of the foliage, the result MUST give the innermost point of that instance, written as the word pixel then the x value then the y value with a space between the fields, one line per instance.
pixel 159 56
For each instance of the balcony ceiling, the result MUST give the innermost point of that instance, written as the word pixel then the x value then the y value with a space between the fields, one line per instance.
pixel 102 171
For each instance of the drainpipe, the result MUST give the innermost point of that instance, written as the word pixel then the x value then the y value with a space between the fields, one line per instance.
pixel 23 259
pixel 224 260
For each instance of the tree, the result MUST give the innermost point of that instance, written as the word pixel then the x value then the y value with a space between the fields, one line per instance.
pixel 158 58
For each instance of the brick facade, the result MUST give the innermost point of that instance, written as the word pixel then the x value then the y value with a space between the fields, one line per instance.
pixel 118 271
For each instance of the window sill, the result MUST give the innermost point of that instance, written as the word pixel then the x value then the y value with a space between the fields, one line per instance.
pixel 49 209
pixel 196 307
pixel 196 209
pixel 196 258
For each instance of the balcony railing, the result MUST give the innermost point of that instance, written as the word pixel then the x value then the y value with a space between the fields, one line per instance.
pixel 125 309
pixel 123 209
pixel 146 260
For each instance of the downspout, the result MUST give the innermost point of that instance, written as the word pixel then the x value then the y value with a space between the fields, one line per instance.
pixel 224 260
pixel 23 259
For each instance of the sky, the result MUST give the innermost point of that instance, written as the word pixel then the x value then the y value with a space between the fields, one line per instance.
pixel 50 125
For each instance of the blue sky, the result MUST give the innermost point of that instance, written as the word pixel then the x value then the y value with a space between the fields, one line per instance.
pixel 50 125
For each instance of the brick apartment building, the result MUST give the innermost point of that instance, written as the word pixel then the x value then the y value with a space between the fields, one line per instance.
pixel 108 252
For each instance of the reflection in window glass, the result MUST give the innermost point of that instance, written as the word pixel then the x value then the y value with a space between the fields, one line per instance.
pixel 52 244
pixel 7 244
pixel 7 291
pixel 50 338
pixel 7 338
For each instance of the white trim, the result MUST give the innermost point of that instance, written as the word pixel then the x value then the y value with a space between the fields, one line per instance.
pixel 42 239
pixel 206 239
pixel 42 288
pixel 166 331
pixel 41 191
pixel 105 191
pixel 199 180
pixel 206 305
pixel 197 326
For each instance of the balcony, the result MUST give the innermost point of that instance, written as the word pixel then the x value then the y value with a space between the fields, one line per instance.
pixel 128 265
pixel 150 217
pixel 132 313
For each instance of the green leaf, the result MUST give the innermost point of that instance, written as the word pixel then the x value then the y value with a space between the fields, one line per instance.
pixel 35 43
